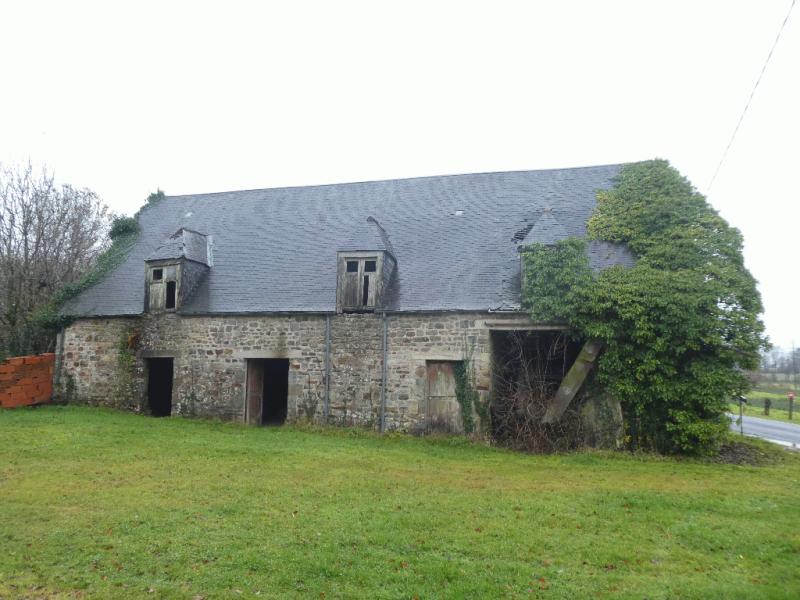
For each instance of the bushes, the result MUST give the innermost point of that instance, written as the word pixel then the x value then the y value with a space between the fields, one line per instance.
pixel 123 226
pixel 679 327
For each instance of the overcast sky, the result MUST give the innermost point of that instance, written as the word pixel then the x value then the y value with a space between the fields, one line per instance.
pixel 200 97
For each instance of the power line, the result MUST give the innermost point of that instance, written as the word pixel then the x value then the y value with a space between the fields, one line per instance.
pixel 750 99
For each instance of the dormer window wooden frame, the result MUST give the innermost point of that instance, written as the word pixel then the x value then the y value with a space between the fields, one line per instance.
pixel 359 282
pixel 163 286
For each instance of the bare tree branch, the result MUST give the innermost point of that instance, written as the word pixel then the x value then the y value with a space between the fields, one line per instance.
pixel 50 235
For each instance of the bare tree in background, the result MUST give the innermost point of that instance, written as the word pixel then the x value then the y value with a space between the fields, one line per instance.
pixel 50 235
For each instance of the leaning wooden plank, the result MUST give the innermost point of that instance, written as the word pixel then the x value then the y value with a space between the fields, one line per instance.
pixel 573 381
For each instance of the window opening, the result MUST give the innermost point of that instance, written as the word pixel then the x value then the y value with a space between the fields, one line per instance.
pixel 170 303
pixel 158 274
pixel 365 299
pixel 356 292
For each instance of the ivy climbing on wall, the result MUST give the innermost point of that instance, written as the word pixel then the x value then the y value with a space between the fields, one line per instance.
pixel 679 327
pixel 466 395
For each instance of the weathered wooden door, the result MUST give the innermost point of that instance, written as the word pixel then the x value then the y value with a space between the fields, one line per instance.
pixel 444 411
pixel 350 280
pixel 254 402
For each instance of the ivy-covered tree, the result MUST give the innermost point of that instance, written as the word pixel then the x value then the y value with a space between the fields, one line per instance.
pixel 679 327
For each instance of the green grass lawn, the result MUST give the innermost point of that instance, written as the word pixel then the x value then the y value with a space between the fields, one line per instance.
pixel 102 504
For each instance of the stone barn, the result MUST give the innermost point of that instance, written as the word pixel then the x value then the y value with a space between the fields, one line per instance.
pixel 368 303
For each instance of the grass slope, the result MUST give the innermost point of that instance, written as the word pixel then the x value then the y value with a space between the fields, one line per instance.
pixel 102 504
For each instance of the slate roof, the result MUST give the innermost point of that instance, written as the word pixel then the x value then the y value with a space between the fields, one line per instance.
pixel 366 236
pixel 455 239
pixel 184 243
pixel 546 230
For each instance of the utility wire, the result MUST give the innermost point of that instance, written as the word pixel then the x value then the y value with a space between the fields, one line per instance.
pixel 750 99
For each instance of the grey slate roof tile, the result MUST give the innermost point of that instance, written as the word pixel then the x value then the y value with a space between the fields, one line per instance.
pixel 274 250
pixel 184 243
pixel 546 230
pixel 366 236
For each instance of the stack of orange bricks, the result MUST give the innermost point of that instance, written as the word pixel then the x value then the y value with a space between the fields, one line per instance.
pixel 26 380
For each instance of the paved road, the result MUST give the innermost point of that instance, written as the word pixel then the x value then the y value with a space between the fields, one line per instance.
pixel 787 434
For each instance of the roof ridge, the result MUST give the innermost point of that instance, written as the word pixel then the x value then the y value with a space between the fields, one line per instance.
pixel 367 181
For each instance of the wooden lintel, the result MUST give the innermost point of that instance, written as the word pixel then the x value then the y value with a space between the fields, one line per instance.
pixel 522 324
pixel 573 381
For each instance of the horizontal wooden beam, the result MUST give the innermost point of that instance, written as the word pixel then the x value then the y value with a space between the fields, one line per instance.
pixel 522 324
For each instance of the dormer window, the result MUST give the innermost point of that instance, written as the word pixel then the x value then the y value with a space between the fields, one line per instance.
pixel 365 269
pixel 358 283
pixel 175 269
pixel 163 288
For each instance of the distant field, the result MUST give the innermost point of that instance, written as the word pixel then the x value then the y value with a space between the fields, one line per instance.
pixel 779 409
pixel 775 414
pixel 102 504
pixel 776 387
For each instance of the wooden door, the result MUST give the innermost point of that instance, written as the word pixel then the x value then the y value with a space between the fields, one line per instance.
pixel 254 402
pixel 444 411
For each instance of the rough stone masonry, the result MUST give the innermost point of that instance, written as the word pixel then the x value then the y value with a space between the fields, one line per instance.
pixel 104 362
pixel 367 303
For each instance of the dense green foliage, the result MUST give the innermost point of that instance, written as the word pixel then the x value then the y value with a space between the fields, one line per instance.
pixel 555 278
pixel 466 395
pixel 103 504
pixel 156 196
pixel 679 327
pixel 123 226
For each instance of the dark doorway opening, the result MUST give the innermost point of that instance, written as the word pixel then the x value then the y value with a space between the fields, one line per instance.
pixel 267 391
pixel 527 369
pixel 537 359
pixel 159 386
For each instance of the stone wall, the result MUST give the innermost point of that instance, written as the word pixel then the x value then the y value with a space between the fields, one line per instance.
pixel 414 341
pixel 356 368
pixel 104 361
pixel 211 353
pixel 96 364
